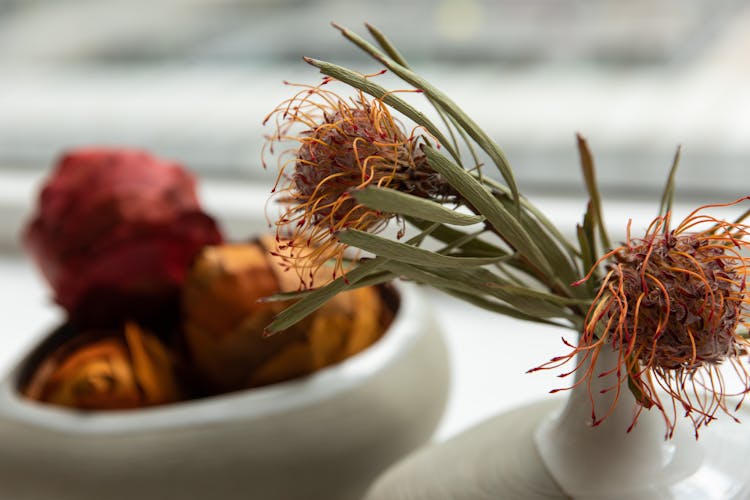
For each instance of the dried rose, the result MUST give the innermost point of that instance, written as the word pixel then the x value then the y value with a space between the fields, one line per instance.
pixel 107 371
pixel 114 233
pixel 225 321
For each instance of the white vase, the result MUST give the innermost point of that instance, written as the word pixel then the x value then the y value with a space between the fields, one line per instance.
pixel 550 451
pixel 323 436
pixel 604 461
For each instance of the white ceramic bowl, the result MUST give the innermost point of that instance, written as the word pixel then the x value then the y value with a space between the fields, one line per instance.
pixel 325 436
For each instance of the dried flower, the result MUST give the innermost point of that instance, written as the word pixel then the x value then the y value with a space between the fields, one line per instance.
pixel 114 233
pixel 671 304
pixel 225 320
pixel 344 146
pixel 106 370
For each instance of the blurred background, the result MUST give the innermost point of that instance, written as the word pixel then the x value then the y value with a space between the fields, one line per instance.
pixel 192 80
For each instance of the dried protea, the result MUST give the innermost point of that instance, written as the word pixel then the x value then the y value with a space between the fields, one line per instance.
pixel 671 304
pixel 343 146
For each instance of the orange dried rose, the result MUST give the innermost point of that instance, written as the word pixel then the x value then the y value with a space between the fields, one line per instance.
pixel 224 320
pixel 347 324
pixel 107 371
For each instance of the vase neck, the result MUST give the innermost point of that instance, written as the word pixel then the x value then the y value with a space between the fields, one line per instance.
pixel 590 454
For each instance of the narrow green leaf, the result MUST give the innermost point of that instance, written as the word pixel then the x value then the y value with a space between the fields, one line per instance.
pixel 667 196
pixel 373 280
pixel 589 177
pixel 500 189
pixel 450 122
pixel 367 86
pixel 456 246
pixel 316 298
pixel 464 121
pixel 313 300
pixel 437 278
pixel 486 204
pixel 499 307
pixel 476 246
pixel 561 261
pixel 539 294
pixel 401 252
pixel 386 45
pixel 394 201
pixel 587 257
pixel 491 284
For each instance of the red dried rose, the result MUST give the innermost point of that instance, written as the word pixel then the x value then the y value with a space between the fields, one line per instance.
pixel 114 233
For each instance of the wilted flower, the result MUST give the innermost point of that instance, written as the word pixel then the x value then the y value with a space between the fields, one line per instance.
pixel 109 370
pixel 671 304
pixel 114 233
pixel 224 320
pixel 343 146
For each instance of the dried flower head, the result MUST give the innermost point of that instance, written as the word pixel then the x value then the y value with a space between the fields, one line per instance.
pixel 343 146
pixel 671 304
pixel 107 370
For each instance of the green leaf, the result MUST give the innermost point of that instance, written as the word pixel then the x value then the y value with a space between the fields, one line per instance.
pixel 464 121
pixel 587 256
pixel 367 86
pixel 450 122
pixel 589 176
pixel 316 298
pixel 386 45
pixel 476 246
pixel 445 279
pixel 394 201
pixel 502 190
pixel 486 204
pixel 373 280
pixel 499 307
pixel 668 193
pixel 529 302
pixel 539 294
pixel 562 263
pixel 401 252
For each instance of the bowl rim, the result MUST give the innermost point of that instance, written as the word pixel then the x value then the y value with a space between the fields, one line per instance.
pixel 410 322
